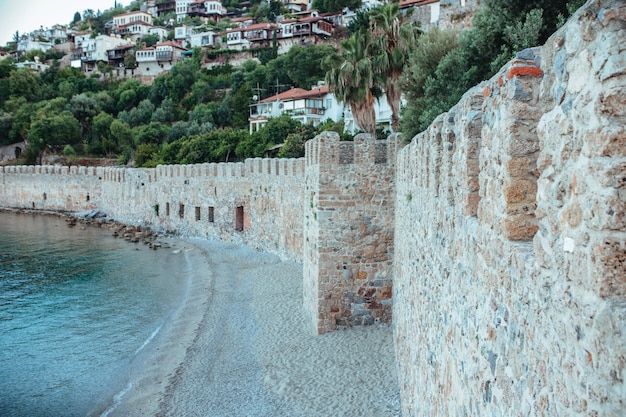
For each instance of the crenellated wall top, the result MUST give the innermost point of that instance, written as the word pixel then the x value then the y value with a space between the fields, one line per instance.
pixel 255 166
pixel 327 149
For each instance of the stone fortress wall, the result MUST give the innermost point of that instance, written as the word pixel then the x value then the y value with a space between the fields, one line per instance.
pixel 510 249
pixel 348 230
pixel 258 202
pixel 502 228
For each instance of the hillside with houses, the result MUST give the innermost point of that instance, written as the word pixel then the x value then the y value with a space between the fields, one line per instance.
pixel 161 82
pixel 176 27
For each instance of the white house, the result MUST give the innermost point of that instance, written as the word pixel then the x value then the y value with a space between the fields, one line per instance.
pixel 302 31
pixel 383 116
pixel 134 30
pixel 34 66
pixel 307 106
pixel 180 32
pixel 54 34
pixel 211 9
pixel 159 58
pixel 312 106
pixel 182 7
pixel 94 50
pixel 132 17
pixel 159 31
pixel 202 39
pixel 28 44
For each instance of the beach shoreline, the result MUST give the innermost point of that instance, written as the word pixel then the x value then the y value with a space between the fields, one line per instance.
pixel 241 344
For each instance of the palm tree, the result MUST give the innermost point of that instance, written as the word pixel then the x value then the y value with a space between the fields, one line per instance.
pixel 350 76
pixel 393 38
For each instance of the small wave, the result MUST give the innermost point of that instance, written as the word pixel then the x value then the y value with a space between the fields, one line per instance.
pixel 149 339
pixel 117 399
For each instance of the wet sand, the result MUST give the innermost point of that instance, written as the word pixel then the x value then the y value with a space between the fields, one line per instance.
pixel 241 345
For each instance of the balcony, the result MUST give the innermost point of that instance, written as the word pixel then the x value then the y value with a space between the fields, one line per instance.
pixel 113 55
pixel 164 55
pixel 88 57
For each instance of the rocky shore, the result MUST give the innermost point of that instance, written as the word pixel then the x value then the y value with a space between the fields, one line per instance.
pixel 97 218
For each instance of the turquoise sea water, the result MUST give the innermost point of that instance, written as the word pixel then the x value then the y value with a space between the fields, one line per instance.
pixel 77 307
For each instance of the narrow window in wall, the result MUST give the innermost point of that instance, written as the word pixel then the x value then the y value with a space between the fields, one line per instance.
pixel 239 218
pixel 211 214
pixel 181 211
pixel 45 196
pixel 167 209
pixel 197 213
pixel 87 197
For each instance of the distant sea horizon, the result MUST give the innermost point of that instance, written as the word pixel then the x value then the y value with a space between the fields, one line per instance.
pixel 78 308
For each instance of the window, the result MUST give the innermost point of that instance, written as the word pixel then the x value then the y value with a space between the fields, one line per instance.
pixel 211 214
pixel 181 211
pixel 197 213
pixel 167 209
pixel 239 218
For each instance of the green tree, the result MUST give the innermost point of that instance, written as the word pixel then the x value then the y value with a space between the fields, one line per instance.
pixel 331 6
pixel 303 64
pixel 500 28
pixel 6 66
pixel 293 147
pixel 351 77
pixel 145 154
pixel 154 132
pixel 182 77
pixel 23 83
pixel 102 140
pixel 22 112
pixel 84 108
pixel 51 131
pixel 122 133
pixel 149 40
pixel 166 113
pixel 430 49
pixel 394 37
pixel 142 114
pixel 240 110
pixel 274 132
pixel 6 121
pixel 76 19
pixel 130 61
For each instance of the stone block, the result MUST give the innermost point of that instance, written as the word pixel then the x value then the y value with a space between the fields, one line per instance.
pixel 610 268
pixel 520 191
pixel 607 141
pixel 520 166
pixel 519 228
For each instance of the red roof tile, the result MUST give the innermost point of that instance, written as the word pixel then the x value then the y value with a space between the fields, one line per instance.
pixel 297 94
pixel 415 3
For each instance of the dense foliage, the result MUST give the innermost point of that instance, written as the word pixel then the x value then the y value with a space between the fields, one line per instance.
pixel 188 115
pixel 442 68
pixel 192 115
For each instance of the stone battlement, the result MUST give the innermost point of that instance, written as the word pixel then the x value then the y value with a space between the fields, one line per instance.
pixel 258 166
pixel 327 149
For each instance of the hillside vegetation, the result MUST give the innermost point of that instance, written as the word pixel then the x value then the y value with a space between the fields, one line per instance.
pixel 193 114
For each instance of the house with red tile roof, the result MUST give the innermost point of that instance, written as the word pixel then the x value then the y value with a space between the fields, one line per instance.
pixel 311 107
pixel 307 106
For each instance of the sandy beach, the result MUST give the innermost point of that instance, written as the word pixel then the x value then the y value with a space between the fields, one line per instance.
pixel 241 346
